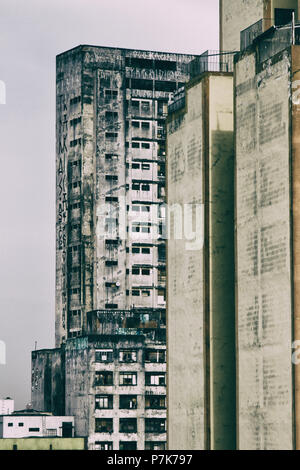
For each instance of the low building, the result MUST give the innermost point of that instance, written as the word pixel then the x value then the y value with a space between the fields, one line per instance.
pixel 114 380
pixel 31 423
pixel 7 406
pixel 45 443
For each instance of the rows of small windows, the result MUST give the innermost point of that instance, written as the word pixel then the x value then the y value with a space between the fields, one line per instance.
pixel 129 445
pixel 130 355
pixel 130 402
pixel 129 425
pixel 106 378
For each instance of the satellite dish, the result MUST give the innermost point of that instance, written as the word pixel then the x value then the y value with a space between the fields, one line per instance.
pixel 118 284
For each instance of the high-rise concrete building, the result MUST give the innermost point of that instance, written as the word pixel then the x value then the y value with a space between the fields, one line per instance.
pixel 111 110
pixel 109 365
pixel 267 240
pixel 237 15
pixel 200 302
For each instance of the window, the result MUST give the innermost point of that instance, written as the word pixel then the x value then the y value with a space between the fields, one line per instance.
pixel 111 178
pixel 111 199
pixel 135 293
pixel 145 187
pixel 151 445
pixel 145 145
pixel 145 208
pixel 146 251
pixel 111 94
pixel 155 355
pixel 136 271
pixel 128 425
pixel 34 429
pixel 145 126
pixel 136 124
pixel 155 402
pixel 75 100
pixel 145 166
pixel 127 355
pixel 135 166
pixel 10 425
pixel 21 425
pixel 135 104
pixel 112 136
pixel 145 106
pixel 135 186
pixel 128 402
pixel 110 157
pixel 103 378
pixel 156 425
pixel 128 378
pixel 104 402
pixel 103 445
pixel 75 142
pixel 135 145
pixel 104 355
pixel 111 306
pixel 155 379
pixel 104 425
pixel 283 16
pixel 127 445
pixel 146 293
pixel 146 272
pixel 75 121
pixel 135 249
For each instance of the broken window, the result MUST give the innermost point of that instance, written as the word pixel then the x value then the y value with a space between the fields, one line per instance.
pixel 127 355
pixel 104 402
pixel 155 402
pixel 155 355
pixel 156 425
pixel 75 100
pixel 155 379
pixel 104 425
pixel 135 145
pixel 112 136
pixel 146 251
pixel 135 166
pixel 128 425
pixel 128 402
pixel 104 355
pixel 145 187
pixel 135 186
pixel 128 378
pixel 103 378
pixel 135 249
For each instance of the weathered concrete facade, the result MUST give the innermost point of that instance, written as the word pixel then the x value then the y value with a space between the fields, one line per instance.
pixel 111 109
pixel 237 15
pixel 48 381
pixel 115 380
pixel 200 290
pixel 267 243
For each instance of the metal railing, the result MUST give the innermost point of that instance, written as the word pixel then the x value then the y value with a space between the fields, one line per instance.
pixel 212 61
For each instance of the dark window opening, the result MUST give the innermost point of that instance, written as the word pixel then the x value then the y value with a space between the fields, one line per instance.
pixel 104 425
pixel 128 402
pixel 155 425
pixel 128 425
pixel 104 378
pixel 283 16
pixel 155 402
pixel 127 445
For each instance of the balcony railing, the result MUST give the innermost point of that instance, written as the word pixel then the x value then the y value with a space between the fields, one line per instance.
pixel 212 61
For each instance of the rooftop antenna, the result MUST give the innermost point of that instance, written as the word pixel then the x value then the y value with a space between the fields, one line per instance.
pixel 35 345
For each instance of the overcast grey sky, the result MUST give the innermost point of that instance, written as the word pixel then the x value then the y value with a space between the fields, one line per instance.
pixel 32 32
